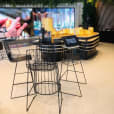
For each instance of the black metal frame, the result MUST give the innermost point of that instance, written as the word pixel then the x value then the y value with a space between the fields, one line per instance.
pixel 45 73
pixel 72 62
pixel 18 59
pixel 45 60
pixel 14 83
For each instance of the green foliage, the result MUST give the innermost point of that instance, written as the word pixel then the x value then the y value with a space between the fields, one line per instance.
pixel 45 2
pixel 89 15
pixel 50 3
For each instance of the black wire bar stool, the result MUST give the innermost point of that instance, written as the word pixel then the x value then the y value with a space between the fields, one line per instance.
pixel 43 68
pixel 71 59
pixel 13 51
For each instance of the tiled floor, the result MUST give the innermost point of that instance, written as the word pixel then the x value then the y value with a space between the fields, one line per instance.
pixel 98 94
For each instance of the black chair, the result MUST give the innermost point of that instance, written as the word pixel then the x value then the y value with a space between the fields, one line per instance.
pixel 71 59
pixel 17 58
pixel 44 69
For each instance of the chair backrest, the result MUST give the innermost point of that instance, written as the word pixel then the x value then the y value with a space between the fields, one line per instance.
pixel 44 66
pixel 16 55
pixel 45 56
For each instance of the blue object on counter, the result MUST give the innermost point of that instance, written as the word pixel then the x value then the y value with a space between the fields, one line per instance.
pixel 36 32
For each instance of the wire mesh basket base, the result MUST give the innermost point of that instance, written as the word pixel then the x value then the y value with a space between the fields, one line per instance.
pixel 46 88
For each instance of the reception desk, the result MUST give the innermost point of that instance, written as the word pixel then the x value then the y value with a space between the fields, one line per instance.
pixel 87 43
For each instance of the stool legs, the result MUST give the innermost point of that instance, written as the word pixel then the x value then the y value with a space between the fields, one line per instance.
pixel 59 93
pixel 72 64
pixel 77 81
pixel 60 98
pixel 85 80
pixel 14 83
pixel 28 105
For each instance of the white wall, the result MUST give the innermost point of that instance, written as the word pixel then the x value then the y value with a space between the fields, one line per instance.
pixel 78 14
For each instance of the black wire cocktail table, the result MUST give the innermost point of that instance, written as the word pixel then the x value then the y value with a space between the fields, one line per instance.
pixel 44 70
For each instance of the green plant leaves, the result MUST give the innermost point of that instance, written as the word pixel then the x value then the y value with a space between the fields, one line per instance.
pixel 89 15
pixel 50 3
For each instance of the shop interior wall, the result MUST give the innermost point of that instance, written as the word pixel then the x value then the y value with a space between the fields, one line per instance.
pixel 105 14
